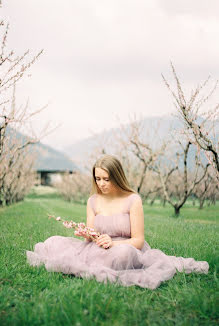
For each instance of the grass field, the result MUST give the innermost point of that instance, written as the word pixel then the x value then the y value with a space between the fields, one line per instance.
pixel 32 296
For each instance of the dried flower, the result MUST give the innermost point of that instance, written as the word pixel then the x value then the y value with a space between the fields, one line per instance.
pixel 80 228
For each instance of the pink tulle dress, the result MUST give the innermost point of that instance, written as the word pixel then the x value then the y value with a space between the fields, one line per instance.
pixel 122 264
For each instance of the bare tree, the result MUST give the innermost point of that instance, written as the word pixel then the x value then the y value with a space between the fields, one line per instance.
pixel 16 175
pixel 151 188
pixel 16 158
pixel 200 127
pixel 207 189
pixel 75 187
pixel 178 182
pixel 133 141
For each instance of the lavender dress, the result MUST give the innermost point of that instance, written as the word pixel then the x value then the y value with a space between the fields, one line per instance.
pixel 123 264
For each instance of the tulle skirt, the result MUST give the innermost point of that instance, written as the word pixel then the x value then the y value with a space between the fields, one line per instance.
pixel 122 264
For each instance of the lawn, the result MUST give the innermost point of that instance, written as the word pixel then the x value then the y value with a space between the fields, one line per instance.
pixel 33 296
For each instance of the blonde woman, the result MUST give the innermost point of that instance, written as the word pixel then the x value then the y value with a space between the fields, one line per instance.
pixel 121 253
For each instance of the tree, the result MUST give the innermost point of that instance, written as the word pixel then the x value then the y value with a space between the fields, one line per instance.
pixel 133 141
pixel 207 189
pixel 178 182
pixel 75 187
pixel 200 127
pixel 16 158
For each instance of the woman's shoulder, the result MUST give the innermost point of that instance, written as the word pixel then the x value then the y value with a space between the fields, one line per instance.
pixel 92 196
pixel 91 199
pixel 134 196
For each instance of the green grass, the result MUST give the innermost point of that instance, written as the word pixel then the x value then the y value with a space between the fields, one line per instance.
pixel 33 296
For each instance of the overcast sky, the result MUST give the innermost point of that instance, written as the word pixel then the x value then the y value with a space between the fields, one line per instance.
pixel 103 59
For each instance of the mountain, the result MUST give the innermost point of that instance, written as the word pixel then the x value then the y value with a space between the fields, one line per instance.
pixel 47 158
pixel 155 130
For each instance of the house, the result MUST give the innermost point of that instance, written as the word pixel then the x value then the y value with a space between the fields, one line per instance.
pixel 51 164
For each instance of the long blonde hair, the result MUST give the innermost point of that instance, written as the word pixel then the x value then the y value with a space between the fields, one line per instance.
pixel 114 168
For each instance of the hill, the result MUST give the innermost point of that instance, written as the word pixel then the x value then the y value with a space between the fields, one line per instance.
pixel 47 158
pixel 155 130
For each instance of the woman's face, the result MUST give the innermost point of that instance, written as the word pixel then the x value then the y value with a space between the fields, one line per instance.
pixel 103 182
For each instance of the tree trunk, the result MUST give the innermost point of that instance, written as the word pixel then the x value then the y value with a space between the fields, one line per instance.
pixel 201 203
pixel 177 210
pixel 142 179
pixel 152 201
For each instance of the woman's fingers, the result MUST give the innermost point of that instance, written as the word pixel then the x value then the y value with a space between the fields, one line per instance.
pixel 104 240
pixel 102 236
pixel 100 243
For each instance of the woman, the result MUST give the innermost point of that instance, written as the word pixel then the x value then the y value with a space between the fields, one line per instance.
pixel 120 254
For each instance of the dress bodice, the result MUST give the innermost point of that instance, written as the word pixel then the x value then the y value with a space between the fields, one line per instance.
pixel 115 225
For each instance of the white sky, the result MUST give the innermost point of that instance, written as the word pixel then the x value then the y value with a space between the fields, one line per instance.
pixel 104 59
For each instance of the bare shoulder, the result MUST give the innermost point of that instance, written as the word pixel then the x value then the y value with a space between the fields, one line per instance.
pixel 92 197
pixel 135 196
pixel 135 199
pixel 136 207
pixel 91 201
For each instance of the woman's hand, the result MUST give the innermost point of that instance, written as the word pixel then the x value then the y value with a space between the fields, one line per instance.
pixel 79 234
pixel 105 241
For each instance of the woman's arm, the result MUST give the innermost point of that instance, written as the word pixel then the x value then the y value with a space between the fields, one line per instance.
pixel 90 217
pixel 137 226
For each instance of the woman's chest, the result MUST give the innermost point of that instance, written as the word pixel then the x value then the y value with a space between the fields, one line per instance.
pixel 117 225
pixel 110 208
